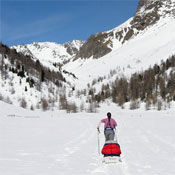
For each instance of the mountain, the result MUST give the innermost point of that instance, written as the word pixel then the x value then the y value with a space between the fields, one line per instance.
pixel 143 40
pixel 50 54
pixel 148 13
pixel 92 71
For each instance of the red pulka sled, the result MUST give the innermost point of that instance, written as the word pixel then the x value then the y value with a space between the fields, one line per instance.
pixel 111 151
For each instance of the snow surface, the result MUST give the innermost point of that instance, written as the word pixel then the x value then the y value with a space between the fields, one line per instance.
pixel 52 143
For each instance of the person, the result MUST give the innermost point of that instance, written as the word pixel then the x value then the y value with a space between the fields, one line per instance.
pixel 109 126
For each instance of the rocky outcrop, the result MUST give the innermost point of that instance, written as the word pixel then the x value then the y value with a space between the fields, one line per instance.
pixel 147 14
pixel 145 3
pixel 97 46
pixel 71 50
pixel 73 47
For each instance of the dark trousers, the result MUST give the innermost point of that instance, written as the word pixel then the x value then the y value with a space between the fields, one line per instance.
pixel 109 134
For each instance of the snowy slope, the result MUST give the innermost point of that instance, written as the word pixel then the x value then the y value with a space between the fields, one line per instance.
pixel 54 143
pixel 49 53
pixel 147 48
pixel 17 90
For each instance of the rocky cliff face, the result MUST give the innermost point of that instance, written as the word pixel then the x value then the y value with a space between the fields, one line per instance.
pixel 96 46
pixel 145 3
pixel 155 4
pixel 150 11
pixel 73 47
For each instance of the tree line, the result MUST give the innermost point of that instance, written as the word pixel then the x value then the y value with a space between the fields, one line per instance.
pixel 22 64
pixel 152 86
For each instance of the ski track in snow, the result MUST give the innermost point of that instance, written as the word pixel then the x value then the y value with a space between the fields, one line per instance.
pixel 67 145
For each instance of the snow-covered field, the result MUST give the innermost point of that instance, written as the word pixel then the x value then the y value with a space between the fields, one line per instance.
pixel 52 143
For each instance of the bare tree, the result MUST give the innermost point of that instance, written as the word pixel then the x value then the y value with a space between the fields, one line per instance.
pixel 159 105
pixel 71 107
pixel 2 65
pixel 44 104
pixel 23 103
pixel 63 102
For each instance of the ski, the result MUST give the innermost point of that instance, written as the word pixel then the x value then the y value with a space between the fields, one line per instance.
pixel 112 160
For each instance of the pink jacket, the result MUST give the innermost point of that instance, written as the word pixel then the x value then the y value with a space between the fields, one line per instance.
pixel 112 123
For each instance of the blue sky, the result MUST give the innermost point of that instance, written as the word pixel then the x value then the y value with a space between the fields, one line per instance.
pixel 23 21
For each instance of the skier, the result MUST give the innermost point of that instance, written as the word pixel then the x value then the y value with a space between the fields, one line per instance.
pixel 109 126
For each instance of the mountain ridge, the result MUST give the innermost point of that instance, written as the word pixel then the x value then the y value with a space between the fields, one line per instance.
pixel 50 52
pixel 148 13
